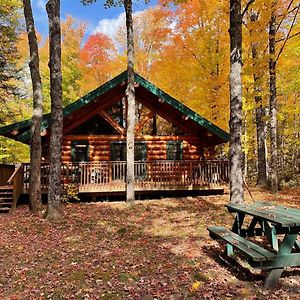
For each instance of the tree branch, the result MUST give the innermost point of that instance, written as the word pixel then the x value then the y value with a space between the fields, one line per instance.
pixel 293 35
pixel 293 9
pixel 290 4
pixel 288 35
pixel 247 7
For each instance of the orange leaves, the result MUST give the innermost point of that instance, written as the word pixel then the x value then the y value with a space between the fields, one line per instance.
pixel 97 58
pixel 193 65
pixel 98 49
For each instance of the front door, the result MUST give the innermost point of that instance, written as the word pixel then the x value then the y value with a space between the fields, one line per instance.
pixel 80 151
pixel 118 154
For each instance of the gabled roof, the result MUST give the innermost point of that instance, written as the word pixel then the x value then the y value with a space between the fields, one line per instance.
pixel 21 131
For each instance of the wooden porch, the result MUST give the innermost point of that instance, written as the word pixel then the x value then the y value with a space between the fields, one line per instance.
pixel 109 176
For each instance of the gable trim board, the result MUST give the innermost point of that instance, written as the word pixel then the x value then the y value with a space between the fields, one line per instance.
pixel 24 126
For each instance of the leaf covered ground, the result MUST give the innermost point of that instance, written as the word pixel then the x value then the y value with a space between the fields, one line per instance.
pixel 159 249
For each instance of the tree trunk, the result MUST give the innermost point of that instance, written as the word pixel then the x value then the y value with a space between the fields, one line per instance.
pixel 235 123
pixel 35 201
pixel 261 132
pixel 55 186
pixel 273 106
pixel 260 114
pixel 130 196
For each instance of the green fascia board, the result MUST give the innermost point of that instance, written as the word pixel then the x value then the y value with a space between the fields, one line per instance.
pixel 25 136
pixel 182 108
pixel 95 93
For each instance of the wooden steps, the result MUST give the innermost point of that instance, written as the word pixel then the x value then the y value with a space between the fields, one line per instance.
pixel 6 198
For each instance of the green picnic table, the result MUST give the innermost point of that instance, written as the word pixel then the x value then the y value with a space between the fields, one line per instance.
pixel 281 226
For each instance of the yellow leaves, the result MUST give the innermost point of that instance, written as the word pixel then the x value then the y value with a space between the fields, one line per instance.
pixel 196 285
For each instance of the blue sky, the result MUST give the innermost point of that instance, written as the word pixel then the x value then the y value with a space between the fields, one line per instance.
pixel 95 15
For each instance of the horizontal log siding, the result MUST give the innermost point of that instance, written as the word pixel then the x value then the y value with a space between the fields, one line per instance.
pixel 99 147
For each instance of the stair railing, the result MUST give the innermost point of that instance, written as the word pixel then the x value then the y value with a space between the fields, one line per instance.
pixel 16 181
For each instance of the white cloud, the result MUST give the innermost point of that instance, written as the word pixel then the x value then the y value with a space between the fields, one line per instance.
pixel 110 26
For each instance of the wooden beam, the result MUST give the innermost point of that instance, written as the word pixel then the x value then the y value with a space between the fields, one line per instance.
pixel 81 118
pixel 144 121
pixel 86 113
pixel 164 114
pixel 112 122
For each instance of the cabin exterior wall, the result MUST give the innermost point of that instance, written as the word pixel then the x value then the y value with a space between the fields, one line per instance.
pixel 99 147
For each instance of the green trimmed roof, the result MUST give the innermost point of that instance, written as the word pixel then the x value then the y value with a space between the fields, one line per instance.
pixel 24 126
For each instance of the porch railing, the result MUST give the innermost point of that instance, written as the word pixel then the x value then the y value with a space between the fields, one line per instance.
pixel 16 180
pixel 111 175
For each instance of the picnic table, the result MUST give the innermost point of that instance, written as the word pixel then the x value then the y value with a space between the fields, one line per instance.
pixel 279 224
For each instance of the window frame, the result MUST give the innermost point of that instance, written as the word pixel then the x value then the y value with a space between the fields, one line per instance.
pixel 73 150
pixel 179 144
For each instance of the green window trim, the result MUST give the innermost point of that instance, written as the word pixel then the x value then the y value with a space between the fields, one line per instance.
pixel 177 151
pixel 73 150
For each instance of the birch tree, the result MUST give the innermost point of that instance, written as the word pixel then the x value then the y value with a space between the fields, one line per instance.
pixel 130 95
pixel 55 185
pixel 35 147
pixel 235 84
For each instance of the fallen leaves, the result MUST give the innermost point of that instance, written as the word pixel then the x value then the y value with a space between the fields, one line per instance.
pixel 158 250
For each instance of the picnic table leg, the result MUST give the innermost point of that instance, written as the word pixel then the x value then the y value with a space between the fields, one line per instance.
pixel 297 245
pixel 238 222
pixel 284 249
pixel 251 228
pixel 270 232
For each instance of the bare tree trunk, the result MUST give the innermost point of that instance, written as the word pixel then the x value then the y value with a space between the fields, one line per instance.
pixel 35 201
pixel 55 185
pixel 273 106
pixel 261 128
pixel 235 123
pixel 260 114
pixel 130 195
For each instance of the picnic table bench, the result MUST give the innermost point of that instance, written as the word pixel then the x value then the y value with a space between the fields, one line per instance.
pixel 270 220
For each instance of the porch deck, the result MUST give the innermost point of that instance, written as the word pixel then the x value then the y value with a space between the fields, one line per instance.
pixel 110 176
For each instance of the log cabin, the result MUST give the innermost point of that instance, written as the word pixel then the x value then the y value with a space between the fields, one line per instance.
pixel 174 146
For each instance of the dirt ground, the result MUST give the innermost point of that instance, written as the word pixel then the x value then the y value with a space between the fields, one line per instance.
pixel 158 249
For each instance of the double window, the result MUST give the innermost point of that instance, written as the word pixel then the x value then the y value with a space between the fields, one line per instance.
pixel 174 150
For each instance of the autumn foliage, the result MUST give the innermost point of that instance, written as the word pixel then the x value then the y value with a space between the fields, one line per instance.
pixel 184 50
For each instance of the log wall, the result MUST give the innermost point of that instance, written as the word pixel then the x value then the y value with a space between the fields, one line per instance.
pixel 99 147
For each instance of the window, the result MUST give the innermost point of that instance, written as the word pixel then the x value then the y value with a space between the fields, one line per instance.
pixel 118 151
pixel 80 151
pixel 174 150
pixel 140 151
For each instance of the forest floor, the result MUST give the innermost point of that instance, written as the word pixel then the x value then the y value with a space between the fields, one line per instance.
pixel 158 249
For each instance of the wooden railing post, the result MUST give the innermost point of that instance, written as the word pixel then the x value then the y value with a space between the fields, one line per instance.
pixel 16 181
